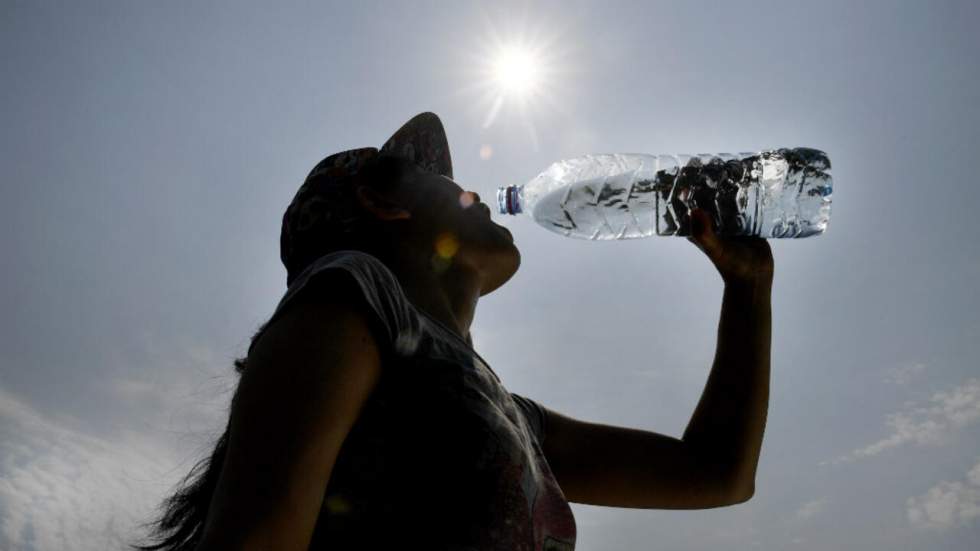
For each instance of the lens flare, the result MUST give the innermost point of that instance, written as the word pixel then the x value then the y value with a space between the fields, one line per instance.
pixel 337 504
pixel 446 245
pixel 466 199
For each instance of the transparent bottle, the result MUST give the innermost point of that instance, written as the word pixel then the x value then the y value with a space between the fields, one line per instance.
pixel 772 193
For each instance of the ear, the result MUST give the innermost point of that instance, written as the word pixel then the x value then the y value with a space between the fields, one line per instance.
pixel 379 205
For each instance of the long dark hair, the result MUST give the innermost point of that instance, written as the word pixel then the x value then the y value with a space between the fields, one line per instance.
pixel 180 526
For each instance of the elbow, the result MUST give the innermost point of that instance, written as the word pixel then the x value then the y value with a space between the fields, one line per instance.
pixel 742 498
pixel 735 487
pixel 740 483
pixel 741 493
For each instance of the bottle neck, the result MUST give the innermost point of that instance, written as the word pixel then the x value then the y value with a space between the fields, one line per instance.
pixel 509 200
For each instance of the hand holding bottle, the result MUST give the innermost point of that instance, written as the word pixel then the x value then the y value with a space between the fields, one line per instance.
pixel 739 260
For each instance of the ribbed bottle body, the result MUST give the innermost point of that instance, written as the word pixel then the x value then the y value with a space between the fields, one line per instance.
pixel 775 193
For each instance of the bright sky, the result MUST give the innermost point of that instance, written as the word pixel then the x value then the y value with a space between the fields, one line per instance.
pixel 149 150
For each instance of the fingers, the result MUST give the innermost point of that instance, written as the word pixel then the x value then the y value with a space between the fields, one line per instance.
pixel 703 229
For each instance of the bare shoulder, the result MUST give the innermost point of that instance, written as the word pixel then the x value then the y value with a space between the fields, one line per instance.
pixel 327 314
pixel 306 381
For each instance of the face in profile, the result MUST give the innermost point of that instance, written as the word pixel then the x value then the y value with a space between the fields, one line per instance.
pixel 460 227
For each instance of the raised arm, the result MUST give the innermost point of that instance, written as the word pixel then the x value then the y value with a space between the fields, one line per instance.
pixel 307 379
pixel 714 464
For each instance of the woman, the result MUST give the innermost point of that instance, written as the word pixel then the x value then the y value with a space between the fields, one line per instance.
pixel 364 419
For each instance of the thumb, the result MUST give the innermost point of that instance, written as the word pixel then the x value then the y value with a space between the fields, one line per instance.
pixel 703 231
pixel 701 225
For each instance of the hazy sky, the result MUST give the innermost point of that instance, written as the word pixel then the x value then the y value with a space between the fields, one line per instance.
pixel 148 151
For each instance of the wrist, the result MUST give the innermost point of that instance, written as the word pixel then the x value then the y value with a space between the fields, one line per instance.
pixel 755 284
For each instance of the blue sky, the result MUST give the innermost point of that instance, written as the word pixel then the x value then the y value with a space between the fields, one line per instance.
pixel 149 150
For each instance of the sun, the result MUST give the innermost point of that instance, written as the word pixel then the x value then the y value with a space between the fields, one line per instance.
pixel 517 71
pixel 518 67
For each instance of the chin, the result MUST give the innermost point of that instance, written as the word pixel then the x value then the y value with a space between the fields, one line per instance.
pixel 501 264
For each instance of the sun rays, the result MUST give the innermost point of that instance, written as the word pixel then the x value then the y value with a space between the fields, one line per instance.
pixel 516 72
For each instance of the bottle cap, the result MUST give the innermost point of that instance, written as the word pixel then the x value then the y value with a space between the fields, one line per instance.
pixel 509 200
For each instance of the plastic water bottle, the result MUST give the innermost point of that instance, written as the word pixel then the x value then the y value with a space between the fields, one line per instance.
pixel 773 193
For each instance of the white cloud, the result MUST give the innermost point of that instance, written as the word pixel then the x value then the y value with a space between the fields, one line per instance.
pixel 811 509
pixel 974 475
pixel 903 375
pixel 63 488
pixel 947 504
pixel 946 413
pixel 66 485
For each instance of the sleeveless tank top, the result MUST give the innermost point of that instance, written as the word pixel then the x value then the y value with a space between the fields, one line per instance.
pixel 442 456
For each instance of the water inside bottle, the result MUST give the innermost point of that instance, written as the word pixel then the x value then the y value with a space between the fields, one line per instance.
pixel 779 193
pixel 597 210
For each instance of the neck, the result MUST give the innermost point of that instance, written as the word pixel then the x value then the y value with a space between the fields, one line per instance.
pixel 449 296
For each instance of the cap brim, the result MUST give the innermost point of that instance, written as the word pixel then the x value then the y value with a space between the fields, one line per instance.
pixel 422 140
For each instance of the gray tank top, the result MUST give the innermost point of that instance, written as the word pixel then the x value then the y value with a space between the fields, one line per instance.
pixel 442 455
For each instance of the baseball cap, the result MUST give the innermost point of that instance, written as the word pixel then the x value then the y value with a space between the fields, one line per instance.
pixel 322 206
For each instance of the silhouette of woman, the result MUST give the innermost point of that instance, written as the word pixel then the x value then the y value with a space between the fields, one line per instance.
pixel 364 419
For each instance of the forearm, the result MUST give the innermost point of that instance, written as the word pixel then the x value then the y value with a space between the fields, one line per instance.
pixel 728 424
